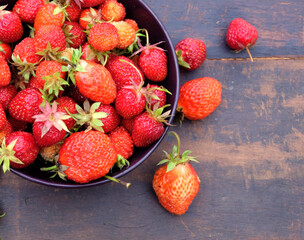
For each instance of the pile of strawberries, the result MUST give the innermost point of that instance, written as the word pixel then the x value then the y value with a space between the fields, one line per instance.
pixel 74 88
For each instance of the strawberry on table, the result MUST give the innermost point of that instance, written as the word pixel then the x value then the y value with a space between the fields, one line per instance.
pixel 199 97
pixel 191 53
pixel 11 29
pixel 176 183
pixel 241 35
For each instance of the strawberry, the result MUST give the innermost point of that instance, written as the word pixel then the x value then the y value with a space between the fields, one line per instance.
pixel 87 156
pixel 89 17
pixel 241 35
pixel 124 72
pixel 67 104
pixel 89 53
pixel 199 97
pixel 128 124
pixel 156 95
pixel 11 29
pixel 191 53
pixel 90 3
pixel 7 93
pixel 96 83
pixel 103 37
pixel 126 34
pixel 133 23
pixel 176 184
pixel 49 14
pixel 5 51
pixel 130 101
pixel 3 119
pixel 5 73
pixel 148 126
pixel 74 33
pixel 49 38
pixel 25 58
pixel 7 129
pixel 112 120
pixel 111 10
pixel 49 153
pixel 73 11
pixel 122 142
pixel 27 9
pixel 25 104
pixel 19 150
pixel 49 127
pixel 17 124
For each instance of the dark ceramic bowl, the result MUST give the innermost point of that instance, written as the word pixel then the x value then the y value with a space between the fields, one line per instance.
pixel 139 11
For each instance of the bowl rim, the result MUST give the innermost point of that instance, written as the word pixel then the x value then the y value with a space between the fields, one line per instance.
pixel 119 174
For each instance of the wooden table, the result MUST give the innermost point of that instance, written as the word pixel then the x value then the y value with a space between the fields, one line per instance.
pixel 250 149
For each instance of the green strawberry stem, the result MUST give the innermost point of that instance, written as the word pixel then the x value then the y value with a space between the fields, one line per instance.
pixel 2 215
pixel 127 185
pixel 178 142
pixel 247 49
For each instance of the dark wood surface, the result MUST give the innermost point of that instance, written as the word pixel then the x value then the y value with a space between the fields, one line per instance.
pixel 250 149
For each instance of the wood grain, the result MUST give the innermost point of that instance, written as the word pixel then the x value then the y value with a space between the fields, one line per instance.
pixel 251 170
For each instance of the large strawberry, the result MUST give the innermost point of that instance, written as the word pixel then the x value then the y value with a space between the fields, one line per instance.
pixel 19 150
pixel 191 53
pixel 11 29
pixel 27 9
pixel 26 104
pixel 241 35
pixel 199 97
pixel 176 184
pixel 87 156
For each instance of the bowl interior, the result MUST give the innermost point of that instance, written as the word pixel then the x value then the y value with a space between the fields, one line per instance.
pixel 145 18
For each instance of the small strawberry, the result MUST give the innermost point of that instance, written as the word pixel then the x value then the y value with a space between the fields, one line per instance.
pixel 7 93
pixel 191 53
pixel 89 53
pixel 11 29
pixel 111 10
pixel 49 127
pixel 103 37
pixel 89 17
pixel 3 119
pixel 19 150
pixel 73 11
pixel 176 184
pixel 49 153
pixel 87 155
pixel 133 23
pixel 149 126
pixel 25 58
pixel 122 142
pixel 112 120
pixel 26 104
pixel 126 34
pixel 241 35
pixel 27 9
pixel 67 105
pixel 6 130
pixel 5 51
pixel 96 82
pixel 74 33
pixel 90 3
pixel 49 14
pixel 124 72
pixel 199 97
pixel 128 124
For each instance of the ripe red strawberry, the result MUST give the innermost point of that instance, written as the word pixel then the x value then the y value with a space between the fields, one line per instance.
pixel 126 34
pixel 19 150
pixel 91 3
pixel 111 10
pixel 124 72
pixel 96 83
pixel 103 37
pixel 27 9
pixel 89 17
pixel 94 158
pixel 130 102
pixel 128 124
pixel 49 127
pixel 122 142
pixel 149 126
pixel 5 73
pixel 74 33
pixel 25 104
pixel 73 11
pixel 17 124
pixel 112 120
pixel 49 14
pixel 156 95
pixel 241 35
pixel 3 119
pixel 153 62
pixel 5 51
pixel 25 58
pixel 7 129
pixel 176 184
pixel 199 97
pixel 69 104
pixel 191 53
pixel 11 29
pixel 133 23
pixel 49 35
pixel 89 53
pixel 7 93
